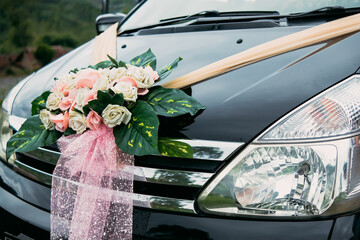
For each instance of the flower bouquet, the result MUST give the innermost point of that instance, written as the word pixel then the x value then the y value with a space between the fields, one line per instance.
pixel 113 93
pixel 100 117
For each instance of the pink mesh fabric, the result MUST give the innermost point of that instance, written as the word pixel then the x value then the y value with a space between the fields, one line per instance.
pixel 92 188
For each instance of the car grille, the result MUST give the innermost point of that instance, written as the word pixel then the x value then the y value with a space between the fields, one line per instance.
pixel 164 183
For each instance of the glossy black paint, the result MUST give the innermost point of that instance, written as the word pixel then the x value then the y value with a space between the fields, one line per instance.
pixel 240 104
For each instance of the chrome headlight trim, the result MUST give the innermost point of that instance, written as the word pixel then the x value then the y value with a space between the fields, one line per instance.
pixel 263 137
pixel 344 197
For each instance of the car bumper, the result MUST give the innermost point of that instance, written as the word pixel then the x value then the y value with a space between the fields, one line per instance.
pixel 19 218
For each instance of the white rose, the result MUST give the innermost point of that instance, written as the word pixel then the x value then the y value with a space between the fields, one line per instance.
pixel 54 99
pixel 70 85
pixel 66 78
pixel 82 92
pixel 141 77
pixel 127 89
pixel 105 73
pixel 115 115
pixel 101 84
pixel 77 121
pixel 117 73
pixel 45 119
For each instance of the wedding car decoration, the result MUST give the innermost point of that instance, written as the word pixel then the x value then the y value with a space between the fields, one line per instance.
pixel 113 93
pixel 100 117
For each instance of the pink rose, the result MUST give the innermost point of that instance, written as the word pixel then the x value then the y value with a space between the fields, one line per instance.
pixel 128 80
pixel 93 120
pixel 68 101
pixel 152 73
pixel 87 78
pixel 92 95
pixel 59 87
pixel 61 121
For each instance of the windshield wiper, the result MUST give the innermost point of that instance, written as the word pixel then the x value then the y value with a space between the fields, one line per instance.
pixel 214 13
pixel 206 14
pixel 320 11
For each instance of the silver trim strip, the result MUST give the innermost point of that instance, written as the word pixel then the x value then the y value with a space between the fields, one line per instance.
pixel 140 200
pixel 171 177
pixel 203 149
pixel 212 150
pixel 44 155
pixel 32 173
pixel 143 174
pixel 164 203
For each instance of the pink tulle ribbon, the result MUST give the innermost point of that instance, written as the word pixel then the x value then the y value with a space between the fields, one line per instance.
pixel 92 187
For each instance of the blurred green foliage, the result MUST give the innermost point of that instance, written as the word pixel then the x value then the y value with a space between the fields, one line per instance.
pixel 69 23
pixel 44 53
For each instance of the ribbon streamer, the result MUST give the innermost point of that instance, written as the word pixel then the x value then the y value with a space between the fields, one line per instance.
pixel 92 188
pixel 318 34
pixel 105 44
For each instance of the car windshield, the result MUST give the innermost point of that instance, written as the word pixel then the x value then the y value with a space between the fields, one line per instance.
pixel 152 11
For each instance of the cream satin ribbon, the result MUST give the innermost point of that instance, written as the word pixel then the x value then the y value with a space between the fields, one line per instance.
pixel 321 33
pixel 105 43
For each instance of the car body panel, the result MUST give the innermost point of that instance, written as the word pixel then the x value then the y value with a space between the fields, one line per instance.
pixel 262 92
pixel 261 97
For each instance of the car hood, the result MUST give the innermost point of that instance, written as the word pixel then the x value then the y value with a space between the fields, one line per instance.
pixel 240 104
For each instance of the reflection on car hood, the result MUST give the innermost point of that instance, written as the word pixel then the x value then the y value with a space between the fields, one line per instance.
pixel 240 104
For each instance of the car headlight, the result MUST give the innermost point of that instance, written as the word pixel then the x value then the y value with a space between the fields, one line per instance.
pixel 306 164
pixel 5 116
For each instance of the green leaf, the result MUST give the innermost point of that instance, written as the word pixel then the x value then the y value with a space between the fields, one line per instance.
pixel 104 97
pixel 86 109
pixel 165 71
pixel 140 135
pixel 145 59
pixel 75 70
pixel 69 131
pixel 172 102
pixel 118 99
pixel 122 64
pixel 103 64
pixel 30 136
pixel 96 106
pixel 39 103
pixel 173 148
pixel 115 63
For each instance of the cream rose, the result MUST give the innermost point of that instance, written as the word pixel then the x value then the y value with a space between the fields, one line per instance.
pixel 66 78
pixel 79 100
pixel 45 119
pixel 141 77
pixel 101 84
pixel 117 73
pixel 77 121
pixel 54 100
pixel 127 89
pixel 104 73
pixel 115 115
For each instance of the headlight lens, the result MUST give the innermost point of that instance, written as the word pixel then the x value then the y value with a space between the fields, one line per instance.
pixel 333 113
pixel 307 164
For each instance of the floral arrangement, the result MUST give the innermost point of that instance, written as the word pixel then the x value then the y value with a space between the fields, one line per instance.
pixel 118 94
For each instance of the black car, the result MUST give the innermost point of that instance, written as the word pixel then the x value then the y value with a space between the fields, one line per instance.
pixel 276 152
